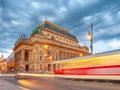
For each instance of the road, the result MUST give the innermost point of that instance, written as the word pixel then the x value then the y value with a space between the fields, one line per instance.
pixel 48 83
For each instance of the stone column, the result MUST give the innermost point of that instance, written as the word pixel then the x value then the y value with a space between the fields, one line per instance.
pixel 35 59
pixel 22 60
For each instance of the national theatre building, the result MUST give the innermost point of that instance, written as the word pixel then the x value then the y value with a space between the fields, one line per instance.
pixel 47 43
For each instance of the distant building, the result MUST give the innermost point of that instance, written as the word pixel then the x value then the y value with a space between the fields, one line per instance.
pixel 47 43
pixel 3 65
pixel 10 63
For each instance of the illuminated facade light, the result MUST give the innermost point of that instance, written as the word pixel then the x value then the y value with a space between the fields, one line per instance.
pixel 45 46
pixel 81 54
pixel 89 36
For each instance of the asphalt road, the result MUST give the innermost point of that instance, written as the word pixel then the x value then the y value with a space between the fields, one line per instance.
pixel 49 83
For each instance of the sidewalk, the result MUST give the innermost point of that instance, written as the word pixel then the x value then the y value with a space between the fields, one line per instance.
pixel 4 85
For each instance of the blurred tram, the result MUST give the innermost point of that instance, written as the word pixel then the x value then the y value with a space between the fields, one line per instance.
pixel 107 63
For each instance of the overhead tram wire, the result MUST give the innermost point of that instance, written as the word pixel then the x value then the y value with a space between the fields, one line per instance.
pixel 86 27
pixel 3 14
pixel 104 12
pixel 111 25
pixel 99 15
pixel 3 18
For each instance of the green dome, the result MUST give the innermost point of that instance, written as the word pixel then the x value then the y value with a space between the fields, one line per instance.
pixel 37 30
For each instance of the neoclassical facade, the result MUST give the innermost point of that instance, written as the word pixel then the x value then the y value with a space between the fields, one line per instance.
pixel 47 43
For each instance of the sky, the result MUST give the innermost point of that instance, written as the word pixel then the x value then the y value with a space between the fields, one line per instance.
pixel 22 16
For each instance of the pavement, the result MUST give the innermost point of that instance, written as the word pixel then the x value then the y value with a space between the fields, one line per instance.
pixel 5 85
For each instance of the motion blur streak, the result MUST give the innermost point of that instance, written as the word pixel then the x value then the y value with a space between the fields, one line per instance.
pixel 40 75
pixel 25 82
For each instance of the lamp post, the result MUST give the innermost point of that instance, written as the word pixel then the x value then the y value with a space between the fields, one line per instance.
pixel 48 58
pixel 90 38
pixel 45 46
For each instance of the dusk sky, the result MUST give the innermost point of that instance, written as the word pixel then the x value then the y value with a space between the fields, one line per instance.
pixel 22 16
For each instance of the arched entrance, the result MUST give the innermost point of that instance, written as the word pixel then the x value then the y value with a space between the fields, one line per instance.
pixel 27 68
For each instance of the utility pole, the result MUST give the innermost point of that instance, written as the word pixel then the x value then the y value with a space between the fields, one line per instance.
pixel 90 37
pixel 91 45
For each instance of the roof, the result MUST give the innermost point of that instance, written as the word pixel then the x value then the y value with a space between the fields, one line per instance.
pixel 53 27
pixel 3 60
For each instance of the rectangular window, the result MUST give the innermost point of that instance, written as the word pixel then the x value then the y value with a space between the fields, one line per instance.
pixel 40 58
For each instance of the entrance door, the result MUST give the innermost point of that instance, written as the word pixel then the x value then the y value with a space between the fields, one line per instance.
pixel 27 68
pixel 49 67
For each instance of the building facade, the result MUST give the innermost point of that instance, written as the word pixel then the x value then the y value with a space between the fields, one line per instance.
pixel 47 43
pixel 3 65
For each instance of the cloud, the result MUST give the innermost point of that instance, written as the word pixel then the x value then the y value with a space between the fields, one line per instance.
pixel 5 53
pixel 35 4
pixel 115 44
pixel 22 16
pixel 102 46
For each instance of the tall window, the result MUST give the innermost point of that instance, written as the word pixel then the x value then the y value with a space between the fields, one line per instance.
pixel 40 58
pixel 40 66
pixel 26 56
pixel 54 66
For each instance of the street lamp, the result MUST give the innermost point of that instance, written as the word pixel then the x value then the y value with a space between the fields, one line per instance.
pixel 45 46
pixel 90 38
